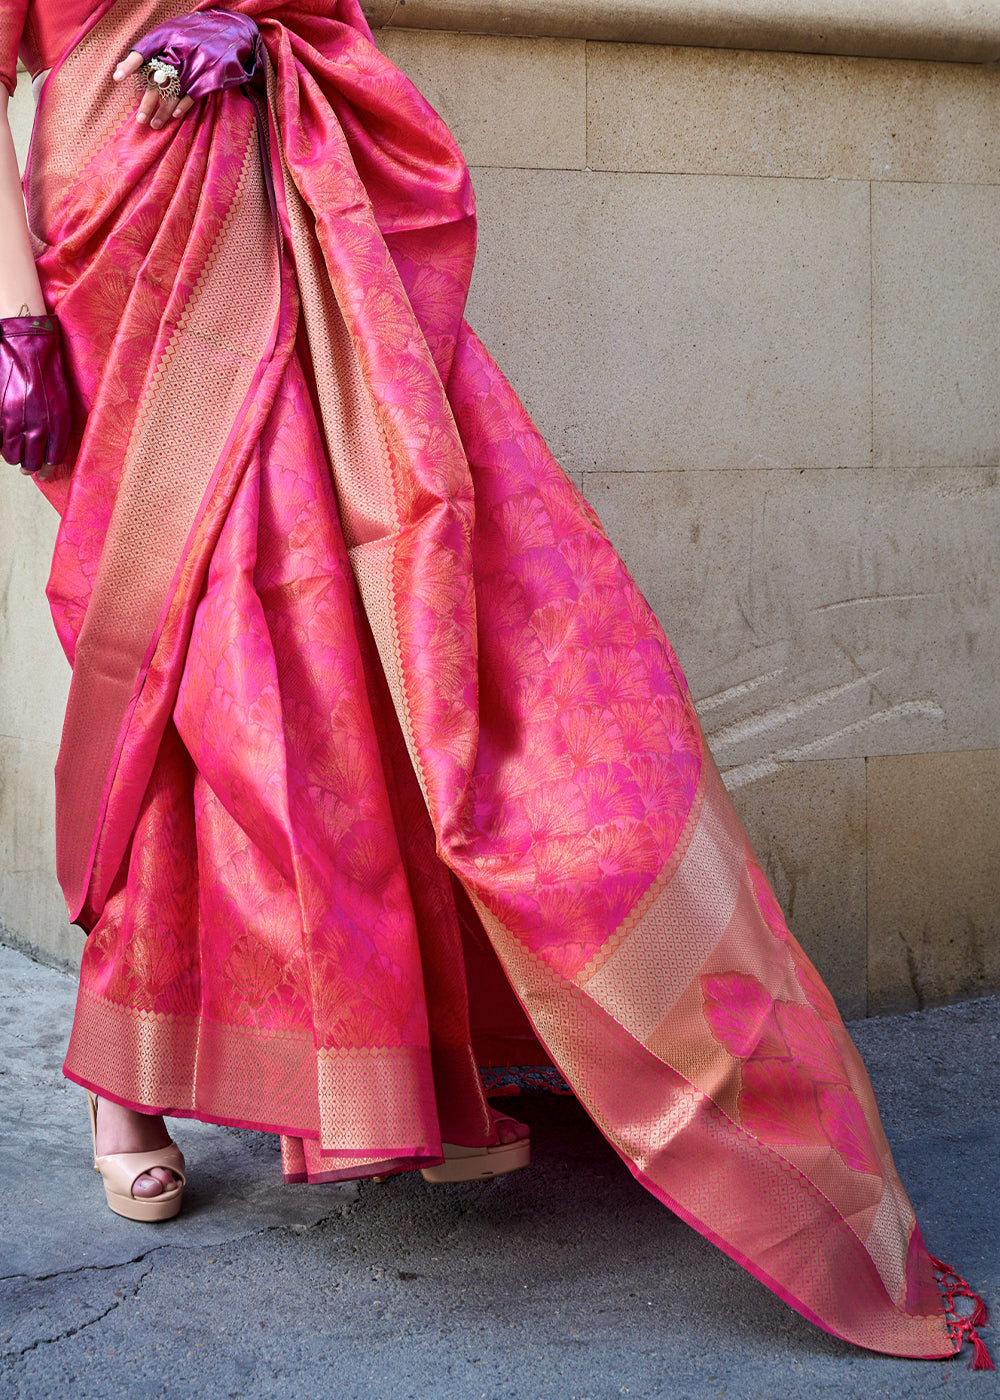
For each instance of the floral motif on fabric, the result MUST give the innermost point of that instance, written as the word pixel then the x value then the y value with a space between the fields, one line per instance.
pixel 808 978
pixel 795 1087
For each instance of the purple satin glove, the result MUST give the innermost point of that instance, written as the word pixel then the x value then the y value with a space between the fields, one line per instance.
pixel 34 396
pixel 211 50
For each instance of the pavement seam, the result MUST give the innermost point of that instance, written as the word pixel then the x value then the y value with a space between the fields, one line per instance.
pixel 75 1331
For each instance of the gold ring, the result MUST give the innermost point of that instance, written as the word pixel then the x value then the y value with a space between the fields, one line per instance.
pixel 163 78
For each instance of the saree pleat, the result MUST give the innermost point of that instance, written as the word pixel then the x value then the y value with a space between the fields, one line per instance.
pixel 344 634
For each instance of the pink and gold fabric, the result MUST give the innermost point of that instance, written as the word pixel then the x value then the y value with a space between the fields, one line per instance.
pixel 12 19
pixel 38 33
pixel 365 707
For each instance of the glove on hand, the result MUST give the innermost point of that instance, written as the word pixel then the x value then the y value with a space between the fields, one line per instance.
pixel 34 397
pixel 211 50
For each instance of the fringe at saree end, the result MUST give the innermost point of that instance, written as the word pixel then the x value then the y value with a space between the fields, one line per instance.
pixel 962 1327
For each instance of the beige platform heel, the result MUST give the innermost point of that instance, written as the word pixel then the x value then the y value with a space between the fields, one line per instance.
pixel 479 1163
pixel 120 1171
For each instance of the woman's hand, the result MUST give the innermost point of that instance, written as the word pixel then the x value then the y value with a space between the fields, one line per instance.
pixel 34 396
pixel 33 426
pixel 194 55
pixel 155 109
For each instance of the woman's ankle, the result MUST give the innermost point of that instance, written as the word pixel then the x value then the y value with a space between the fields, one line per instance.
pixel 121 1129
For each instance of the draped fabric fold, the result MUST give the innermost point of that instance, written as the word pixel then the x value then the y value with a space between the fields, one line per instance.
pixel 365 707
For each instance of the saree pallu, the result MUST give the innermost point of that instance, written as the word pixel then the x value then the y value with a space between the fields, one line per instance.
pixel 365 707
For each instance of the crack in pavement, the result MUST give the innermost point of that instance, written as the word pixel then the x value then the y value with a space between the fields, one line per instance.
pixel 75 1331
pixel 341 1211
pixel 89 1268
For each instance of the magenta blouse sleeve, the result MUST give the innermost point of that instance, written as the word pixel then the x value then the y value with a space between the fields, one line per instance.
pixel 12 16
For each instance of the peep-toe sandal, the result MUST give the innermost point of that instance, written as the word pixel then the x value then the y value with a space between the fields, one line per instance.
pixel 120 1171
pixel 479 1163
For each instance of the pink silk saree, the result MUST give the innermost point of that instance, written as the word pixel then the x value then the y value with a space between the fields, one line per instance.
pixel 365 707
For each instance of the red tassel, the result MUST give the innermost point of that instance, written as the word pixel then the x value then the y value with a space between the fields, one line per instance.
pixel 962 1326
pixel 981 1360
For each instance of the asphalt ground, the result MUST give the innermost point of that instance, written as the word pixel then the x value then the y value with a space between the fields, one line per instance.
pixel 565 1281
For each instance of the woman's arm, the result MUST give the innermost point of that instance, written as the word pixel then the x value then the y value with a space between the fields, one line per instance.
pixel 19 285
pixel 34 398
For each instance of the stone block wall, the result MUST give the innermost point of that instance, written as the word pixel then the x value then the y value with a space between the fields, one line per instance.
pixel 752 300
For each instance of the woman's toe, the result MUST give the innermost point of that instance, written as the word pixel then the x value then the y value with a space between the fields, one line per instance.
pixel 154 1182
pixel 510 1130
pixel 147 1185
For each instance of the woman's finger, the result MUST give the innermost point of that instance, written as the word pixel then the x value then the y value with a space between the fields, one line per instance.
pixel 161 115
pixel 183 107
pixel 167 106
pixel 130 64
pixel 149 104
